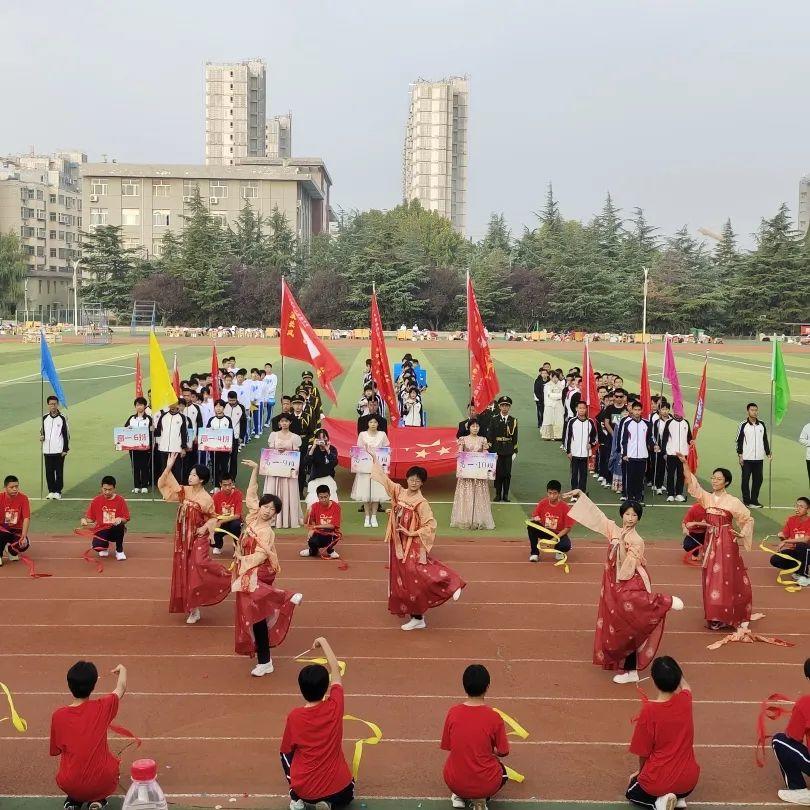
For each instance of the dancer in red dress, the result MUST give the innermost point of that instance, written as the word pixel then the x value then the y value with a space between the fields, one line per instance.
pixel 263 612
pixel 197 580
pixel 727 593
pixel 416 581
pixel 630 620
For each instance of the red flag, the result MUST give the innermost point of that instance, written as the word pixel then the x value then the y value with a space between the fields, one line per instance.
pixel 700 407
pixel 214 374
pixel 483 378
pixel 176 376
pixel 138 376
pixel 590 392
pixel 646 398
pixel 380 369
pixel 298 340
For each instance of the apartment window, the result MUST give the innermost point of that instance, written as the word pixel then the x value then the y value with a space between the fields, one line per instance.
pixel 70 238
pixel 157 248
pixel 190 188
pixel 52 234
pixel 130 216
pixel 40 250
pixel 28 250
pixel 250 190
pixel 160 189
pixel 40 286
pixel 130 242
pixel 62 236
pixel 98 216
pixel 61 199
pixel 53 253
pixel 160 219
pixel 52 217
pixel 131 188
pixel 218 189
pixel 52 198
pixel 220 219
pixel 98 187
pixel 41 233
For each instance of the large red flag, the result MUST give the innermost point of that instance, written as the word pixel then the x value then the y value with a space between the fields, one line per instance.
pixel 176 376
pixel 590 392
pixel 380 369
pixel 483 378
pixel 214 374
pixel 138 376
pixel 700 407
pixel 298 340
pixel 644 395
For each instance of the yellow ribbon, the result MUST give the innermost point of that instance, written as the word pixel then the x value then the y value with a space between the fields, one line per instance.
pixel 323 662
pixel 783 578
pixel 358 745
pixel 518 731
pixel 548 544
pixel 17 721
pixel 235 539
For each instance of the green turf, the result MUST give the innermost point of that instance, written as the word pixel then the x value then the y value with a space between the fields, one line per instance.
pixel 99 385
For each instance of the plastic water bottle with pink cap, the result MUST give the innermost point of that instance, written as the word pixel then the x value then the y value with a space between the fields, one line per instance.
pixel 144 793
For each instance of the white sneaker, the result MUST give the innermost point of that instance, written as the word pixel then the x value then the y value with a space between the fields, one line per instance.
pixel 135 491
pixel 58 496
pixel 374 521
pixel 144 491
pixel 297 598
pixel 262 669
pixel 215 490
pixel 456 801
pixel 803 581
pixel 333 555
pixel 414 624
pixel 534 558
pixel 193 617
pixel 670 499
pixel 304 552
pixel 626 677
pixel 456 594
pixel 104 554
pixel 49 496
pixel 680 804
pixel 367 523
pixel 666 802
pixel 216 551
pixel 679 499
pixel 119 555
pixel 297 804
pixel 12 557
pixel 677 603
pixel 559 555
pixel 801 796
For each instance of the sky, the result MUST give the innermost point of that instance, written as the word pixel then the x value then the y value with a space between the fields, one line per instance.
pixel 695 111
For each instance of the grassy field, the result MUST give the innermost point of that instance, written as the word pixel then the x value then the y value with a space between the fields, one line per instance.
pixel 99 384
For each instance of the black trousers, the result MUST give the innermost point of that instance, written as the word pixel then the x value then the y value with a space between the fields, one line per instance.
pixel 794 760
pixel 675 478
pixel 800 554
pixel 222 466
pixel 503 476
pixel 262 637
pixel 233 467
pixel 693 541
pixel 540 408
pixel 660 469
pixel 342 798
pixel 808 470
pixel 16 545
pixel 141 468
pixel 637 795
pixel 318 541
pixel 604 459
pixel 112 534
pixel 233 526
pixel 579 473
pixel 54 471
pixel 535 536
pixel 751 481
pixel 634 478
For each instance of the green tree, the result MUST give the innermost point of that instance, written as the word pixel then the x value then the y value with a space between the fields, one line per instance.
pixel 498 236
pixel 12 273
pixel 111 267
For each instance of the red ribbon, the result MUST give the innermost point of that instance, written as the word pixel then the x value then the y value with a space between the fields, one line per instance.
pixel 769 712
pixel 125 732
pixel 644 699
pixel 323 553
pixel 87 556
pixel 693 559
pixel 32 568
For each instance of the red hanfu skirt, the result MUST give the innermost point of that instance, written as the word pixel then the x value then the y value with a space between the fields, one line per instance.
pixel 414 587
pixel 266 603
pixel 727 595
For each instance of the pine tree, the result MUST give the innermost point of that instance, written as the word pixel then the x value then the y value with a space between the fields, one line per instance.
pixel 111 268
pixel 609 231
pixel 550 218
pixel 247 242
pixel 12 273
pixel 498 236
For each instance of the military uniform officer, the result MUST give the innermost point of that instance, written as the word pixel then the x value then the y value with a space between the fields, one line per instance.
pixel 502 434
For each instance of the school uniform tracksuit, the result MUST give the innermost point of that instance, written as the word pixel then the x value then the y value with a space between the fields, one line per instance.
pixel 636 445
pixel 56 441
pixel 753 446
pixel 580 436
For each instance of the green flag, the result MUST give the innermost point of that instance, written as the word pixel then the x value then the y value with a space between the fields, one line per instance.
pixel 781 387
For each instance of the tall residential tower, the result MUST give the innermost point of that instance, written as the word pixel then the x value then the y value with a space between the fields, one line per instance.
pixel 435 153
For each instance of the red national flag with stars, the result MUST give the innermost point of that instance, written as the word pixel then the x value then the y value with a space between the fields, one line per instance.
pixel 435 448
pixel 590 392
pixel 380 369
pixel 644 396
pixel 138 376
pixel 483 378
pixel 299 341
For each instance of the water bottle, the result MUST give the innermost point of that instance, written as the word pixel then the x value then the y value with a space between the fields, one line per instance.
pixel 144 793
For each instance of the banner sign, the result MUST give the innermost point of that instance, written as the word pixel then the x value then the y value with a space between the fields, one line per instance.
pixel 131 438
pixel 361 460
pixel 215 440
pixel 279 463
pixel 476 465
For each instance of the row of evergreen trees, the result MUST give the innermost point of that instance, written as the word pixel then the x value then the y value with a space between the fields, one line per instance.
pixel 560 274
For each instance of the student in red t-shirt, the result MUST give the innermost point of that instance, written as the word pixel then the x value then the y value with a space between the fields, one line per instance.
pixel 694 528
pixel 323 522
pixel 228 505
pixel 88 771
pixel 663 740
pixel 551 512
pixel 312 745
pixel 475 736
pixel 108 514
pixel 795 536
pixel 791 751
pixel 15 517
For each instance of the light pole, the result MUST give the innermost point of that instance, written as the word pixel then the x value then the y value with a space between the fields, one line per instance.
pixel 644 310
pixel 76 296
pixel 25 288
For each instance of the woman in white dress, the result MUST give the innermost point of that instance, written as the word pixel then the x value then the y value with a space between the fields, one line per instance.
pixel 554 410
pixel 365 490
pixel 289 516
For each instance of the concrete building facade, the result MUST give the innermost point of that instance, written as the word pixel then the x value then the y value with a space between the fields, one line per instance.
pixel 278 136
pixel 235 111
pixel 435 152
pixel 148 200
pixel 41 202
pixel 803 216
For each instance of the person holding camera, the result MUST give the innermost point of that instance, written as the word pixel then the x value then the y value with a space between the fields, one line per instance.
pixel 321 460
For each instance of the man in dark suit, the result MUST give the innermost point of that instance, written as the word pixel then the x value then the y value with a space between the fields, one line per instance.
pixel 502 435
pixel 373 413
pixel 464 425
pixel 539 401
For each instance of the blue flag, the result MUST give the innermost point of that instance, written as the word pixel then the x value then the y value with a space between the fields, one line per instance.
pixel 48 369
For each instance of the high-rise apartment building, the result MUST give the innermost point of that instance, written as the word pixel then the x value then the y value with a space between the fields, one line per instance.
pixel 278 142
pixel 41 202
pixel 435 153
pixel 804 205
pixel 235 111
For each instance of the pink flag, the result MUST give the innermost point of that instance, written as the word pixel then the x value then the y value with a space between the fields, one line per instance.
pixel 671 376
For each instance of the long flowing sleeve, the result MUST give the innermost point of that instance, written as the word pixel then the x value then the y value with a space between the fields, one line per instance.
pixel 745 522
pixel 169 487
pixel 392 489
pixel 427 527
pixel 589 515
pixel 252 494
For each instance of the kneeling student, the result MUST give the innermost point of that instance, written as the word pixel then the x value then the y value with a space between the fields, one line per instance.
pixel 694 529
pixel 475 736
pixel 108 513
pixel 323 522
pixel 228 506
pixel 551 512
pixel 795 536
pixel 791 750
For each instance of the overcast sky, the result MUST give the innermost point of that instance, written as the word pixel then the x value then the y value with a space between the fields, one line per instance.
pixel 695 111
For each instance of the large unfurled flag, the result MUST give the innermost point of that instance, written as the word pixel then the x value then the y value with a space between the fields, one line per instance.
pixel 483 379
pixel 700 409
pixel 781 387
pixel 159 380
pixel 48 369
pixel 138 376
pixel 214 374
pixel 670 376
pixel 176 376
pixel 590 392
pixel 298 340
pixel 644 393
pixel 380 369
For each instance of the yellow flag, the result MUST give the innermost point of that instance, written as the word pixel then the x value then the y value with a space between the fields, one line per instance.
pixel 159 380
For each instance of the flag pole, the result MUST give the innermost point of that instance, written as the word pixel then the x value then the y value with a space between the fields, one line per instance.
pixel 773 424
pixel 469 356
pixel 41 410
pixel 281 327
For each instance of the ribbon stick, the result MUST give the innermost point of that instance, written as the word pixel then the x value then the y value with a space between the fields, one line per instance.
pixel 19 724
pixel 515 729
pixel 358 745
pixel 323 662
pixel 768 711
pixel 236 542
pixel 784 577
pixel 547 545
